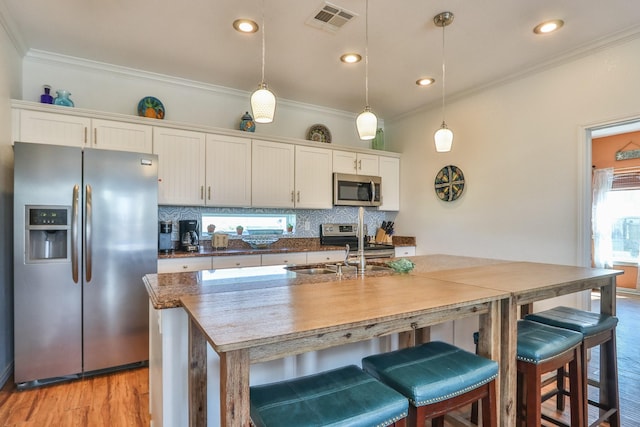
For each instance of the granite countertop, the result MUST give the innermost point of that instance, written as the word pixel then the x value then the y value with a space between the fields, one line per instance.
pixel 166 289
pixel 284 245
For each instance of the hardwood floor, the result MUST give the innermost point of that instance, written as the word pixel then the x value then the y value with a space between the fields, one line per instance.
pixel 122 399
pixel 118 399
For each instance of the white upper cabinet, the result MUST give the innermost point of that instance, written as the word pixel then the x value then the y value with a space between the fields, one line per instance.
pixel 313 178
pixel 61 129
pixel 181 166
pixel 52 128
pixel 112 135
pixel 355 163
pixel 390 173
pixel 272 174
pixel 228 171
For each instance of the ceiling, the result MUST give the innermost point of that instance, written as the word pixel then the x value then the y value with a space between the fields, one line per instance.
pixel 489 42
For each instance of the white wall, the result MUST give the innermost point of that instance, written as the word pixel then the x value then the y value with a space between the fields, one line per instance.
pixel 522 151
pixel 10 71
pixel 109 88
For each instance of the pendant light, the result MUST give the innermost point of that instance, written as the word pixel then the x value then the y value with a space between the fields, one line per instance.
pixel 444 136
pixel 263 101
pixel 367 122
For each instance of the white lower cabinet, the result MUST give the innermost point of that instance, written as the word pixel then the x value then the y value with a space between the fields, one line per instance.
pixel 289 258
pixel 405 251
pixel 179 265
pixel 236 261
pixel 325 256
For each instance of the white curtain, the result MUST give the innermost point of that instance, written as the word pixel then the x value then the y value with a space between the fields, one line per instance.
pixel 601 218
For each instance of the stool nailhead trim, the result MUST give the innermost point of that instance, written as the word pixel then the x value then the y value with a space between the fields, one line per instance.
pixel 450 395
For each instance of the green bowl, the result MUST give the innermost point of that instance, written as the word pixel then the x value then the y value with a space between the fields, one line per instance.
pixel 401 265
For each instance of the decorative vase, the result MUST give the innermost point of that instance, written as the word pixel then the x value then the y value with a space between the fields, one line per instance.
pixel 63 98
pixel 247 124
pixel 46 97
pixel 378 141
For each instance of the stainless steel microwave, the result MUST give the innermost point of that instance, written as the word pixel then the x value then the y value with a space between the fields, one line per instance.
pixel 356 190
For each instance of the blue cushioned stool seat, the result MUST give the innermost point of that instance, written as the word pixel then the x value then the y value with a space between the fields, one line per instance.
pixel 341 397
pixel 431 372
pixel 538 342
pixel 585 322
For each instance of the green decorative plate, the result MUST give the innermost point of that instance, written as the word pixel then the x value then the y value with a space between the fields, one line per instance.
pixel 449 183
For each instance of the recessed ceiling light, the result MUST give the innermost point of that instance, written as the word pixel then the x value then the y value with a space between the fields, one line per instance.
pixel 350 58
pixel 425 81
pixel 548 26
pixel 245 25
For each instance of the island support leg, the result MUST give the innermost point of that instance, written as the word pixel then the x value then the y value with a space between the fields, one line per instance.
pixel 197 377
pixel 489 340
pixel 234 388
pixel 508 372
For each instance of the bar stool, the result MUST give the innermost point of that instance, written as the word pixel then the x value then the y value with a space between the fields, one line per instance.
pixel 597 329
pixel 540 349
pixel 437 378
pixel 341 397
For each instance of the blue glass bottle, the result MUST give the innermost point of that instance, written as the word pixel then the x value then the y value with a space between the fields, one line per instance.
pixel 63 98
pixel 46 97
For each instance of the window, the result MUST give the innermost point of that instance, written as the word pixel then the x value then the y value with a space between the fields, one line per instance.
pixel 625 231
pixel 251 224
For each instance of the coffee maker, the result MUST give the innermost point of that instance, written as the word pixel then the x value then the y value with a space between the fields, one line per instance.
pixel 164 236
pixel 188 235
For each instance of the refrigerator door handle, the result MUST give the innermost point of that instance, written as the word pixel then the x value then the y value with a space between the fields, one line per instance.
pixel 74 233
pixel 87 232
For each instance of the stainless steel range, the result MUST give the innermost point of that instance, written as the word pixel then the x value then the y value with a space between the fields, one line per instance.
pixel 347 233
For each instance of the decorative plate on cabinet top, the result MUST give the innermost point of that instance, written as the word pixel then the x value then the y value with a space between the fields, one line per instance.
pixel 319 133
pixel 151 107
pixel 449 183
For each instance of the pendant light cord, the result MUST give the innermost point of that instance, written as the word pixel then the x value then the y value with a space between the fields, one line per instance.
pixel 366 55
pixel 443 73
pixel 263 43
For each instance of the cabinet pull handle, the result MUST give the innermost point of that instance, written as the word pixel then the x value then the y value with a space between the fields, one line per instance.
pixel 185 266
pixel 292 193
pixel 355 165
pixel 95 136
pixel 209 192
pixel 360 164
pixel 85 135
pixel 202 192
pixel 298 196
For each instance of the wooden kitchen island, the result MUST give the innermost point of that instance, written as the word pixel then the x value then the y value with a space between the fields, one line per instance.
pixel 259 323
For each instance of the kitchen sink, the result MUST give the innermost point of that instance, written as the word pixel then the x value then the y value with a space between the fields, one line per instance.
pixel 332 268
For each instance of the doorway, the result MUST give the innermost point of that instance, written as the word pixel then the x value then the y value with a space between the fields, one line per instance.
pixel 614 159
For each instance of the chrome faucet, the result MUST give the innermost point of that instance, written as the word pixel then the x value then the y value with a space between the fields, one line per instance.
pixel 361 266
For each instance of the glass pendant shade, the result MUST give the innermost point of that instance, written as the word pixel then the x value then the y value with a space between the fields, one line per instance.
pixel 263 104
pixel 443 139
pixel 367 124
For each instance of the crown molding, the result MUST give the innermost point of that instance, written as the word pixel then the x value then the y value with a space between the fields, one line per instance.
pixel 45 57
pixel 12 30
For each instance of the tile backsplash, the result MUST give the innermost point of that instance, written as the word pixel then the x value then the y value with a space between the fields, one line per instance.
pixel 313 217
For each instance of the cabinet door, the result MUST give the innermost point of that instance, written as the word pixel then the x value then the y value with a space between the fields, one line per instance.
pixel 344 162
pixel 228 171
pixel 313 178
pixel 179 265
pixel 52 128
pixel 367 164
pixel 181 166
pixel 290 258
pixel 405 251
pixel 272 174
pixel 320 257
pixel 390 173
pixel 236 261
pixel 112 135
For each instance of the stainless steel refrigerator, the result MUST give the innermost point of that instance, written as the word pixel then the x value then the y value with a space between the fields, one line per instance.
pixel 85 233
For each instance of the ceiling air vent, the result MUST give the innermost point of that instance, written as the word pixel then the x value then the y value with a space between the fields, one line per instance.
pixel 330 17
